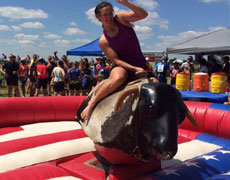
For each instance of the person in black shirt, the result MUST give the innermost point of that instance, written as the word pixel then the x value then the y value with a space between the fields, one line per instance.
pixel 226 66
pixel 50 66
pixel 10 70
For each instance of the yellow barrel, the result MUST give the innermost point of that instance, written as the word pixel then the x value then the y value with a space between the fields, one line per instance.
pixel 200 82
pixel 218 82
pixel 183 81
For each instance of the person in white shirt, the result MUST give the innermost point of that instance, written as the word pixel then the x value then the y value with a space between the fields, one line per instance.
pixel 58 75
pixel 188 66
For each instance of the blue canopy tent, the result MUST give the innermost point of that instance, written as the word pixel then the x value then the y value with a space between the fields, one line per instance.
pixel 90 49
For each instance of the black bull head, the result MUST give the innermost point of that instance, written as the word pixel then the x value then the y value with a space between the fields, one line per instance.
pixel 141 120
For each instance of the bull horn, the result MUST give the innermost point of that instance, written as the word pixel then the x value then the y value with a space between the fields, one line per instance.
pixel 190 117
pixel 124 94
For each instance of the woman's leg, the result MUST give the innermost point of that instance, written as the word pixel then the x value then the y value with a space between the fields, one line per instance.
pixel 117 77
pixel 9 90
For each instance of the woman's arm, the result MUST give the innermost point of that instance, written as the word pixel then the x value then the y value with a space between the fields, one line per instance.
pixel 137 13
pixel 112 55
pixel 52 74
pixel 63 73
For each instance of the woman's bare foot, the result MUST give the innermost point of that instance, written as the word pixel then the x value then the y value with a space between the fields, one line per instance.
pixel 85 114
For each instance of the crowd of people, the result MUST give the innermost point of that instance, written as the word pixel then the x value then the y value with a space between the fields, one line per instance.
pixel 56 76
pixel 163 70
pixel 209 66
pixel 53 76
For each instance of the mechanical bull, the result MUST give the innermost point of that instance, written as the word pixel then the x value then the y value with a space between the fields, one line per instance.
pixel 140 119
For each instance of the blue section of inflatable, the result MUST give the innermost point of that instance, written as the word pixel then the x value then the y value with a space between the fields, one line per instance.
pixel 204 96
pixel 220 107
pixel 199 168
pixel 224 176
pixel 214 140
pixel 213 165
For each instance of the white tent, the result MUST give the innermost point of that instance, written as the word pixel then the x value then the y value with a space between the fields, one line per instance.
pixel 216 43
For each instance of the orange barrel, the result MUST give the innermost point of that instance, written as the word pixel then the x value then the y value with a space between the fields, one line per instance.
pixel 183 81
pixel 218 82
pixel 200 82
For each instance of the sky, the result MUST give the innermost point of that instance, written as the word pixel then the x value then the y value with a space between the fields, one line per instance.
pixel 45 26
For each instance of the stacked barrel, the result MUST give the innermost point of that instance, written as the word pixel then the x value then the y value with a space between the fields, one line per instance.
pixel 201 82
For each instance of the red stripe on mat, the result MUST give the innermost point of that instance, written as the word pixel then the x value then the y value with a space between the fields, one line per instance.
pixel 8 130
pixel 37 172
pixel 36 141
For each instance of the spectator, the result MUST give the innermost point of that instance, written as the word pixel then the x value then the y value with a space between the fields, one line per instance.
pixel 75 79
pixel 4 57
pixel 50 66
pixel 58 75
pixel 149 65
pixel 1 79
pixel 95 68
pixel 91 63
pixel 34 60
pixel 66 68
pixel 10 71
pixel 188 66
pixel 103 72
pixel 23 76
pixel 203 65
pixel 32 75
pixel 162 70
pixel 42 77
pixel 213 65
pixel 86 77
pixel 226 66
pixel 174 72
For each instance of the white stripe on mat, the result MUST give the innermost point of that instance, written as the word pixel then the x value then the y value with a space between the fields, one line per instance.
pixel 65 178
pixel 45 153
pixel 188 151
pixel 41 129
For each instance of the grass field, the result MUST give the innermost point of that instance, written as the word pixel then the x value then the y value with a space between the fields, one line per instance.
pixel 3 90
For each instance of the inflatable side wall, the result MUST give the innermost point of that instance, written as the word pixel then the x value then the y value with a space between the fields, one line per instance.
pixel 40 139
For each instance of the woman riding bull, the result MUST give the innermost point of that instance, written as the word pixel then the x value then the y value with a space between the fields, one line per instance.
pixel 120 44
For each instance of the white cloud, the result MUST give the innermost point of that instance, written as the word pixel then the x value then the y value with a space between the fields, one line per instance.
pixel 73 24
pixel 73 31
pixel 32 25
pixel 91 16
pixel 170 40
pixel 4 28
pixel 61 42
pixel 26 42
pixel 21 13
pixel 16 28
pixel 26 37
pixel 153 19
pixel 51 36
pixel 83 41
pixel 147 4
pixel 143 32
pixel 43 44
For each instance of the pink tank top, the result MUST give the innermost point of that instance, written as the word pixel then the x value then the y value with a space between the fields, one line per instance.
pixel 126 45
